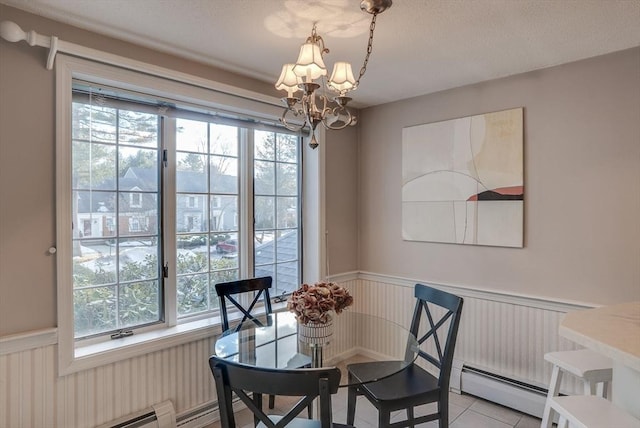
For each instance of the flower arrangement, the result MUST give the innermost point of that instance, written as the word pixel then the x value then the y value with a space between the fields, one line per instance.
pixel 314 303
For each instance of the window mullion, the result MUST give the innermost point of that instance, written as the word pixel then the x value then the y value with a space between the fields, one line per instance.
pixel 168 135
pixel 246 229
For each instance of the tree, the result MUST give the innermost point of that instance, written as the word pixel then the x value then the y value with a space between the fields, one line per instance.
pixel 276 176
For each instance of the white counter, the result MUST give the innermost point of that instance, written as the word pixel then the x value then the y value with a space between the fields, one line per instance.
pixel 613 331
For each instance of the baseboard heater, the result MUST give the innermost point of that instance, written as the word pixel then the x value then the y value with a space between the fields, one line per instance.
pixel 163 416
pixel 511 393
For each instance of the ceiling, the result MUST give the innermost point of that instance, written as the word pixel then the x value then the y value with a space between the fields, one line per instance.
pixel 420 46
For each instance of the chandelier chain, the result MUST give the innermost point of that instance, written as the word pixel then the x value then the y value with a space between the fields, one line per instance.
pixel 363 70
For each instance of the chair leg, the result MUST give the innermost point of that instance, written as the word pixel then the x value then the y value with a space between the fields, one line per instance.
pixel 603 390
pixel 562 422
pixel 410 417
pixel 554 388
pixel 310 411
pixel 444 411
pixel 384 417
pixel 590 388
pixel 351 404
pixel 272 401
pixel 257 399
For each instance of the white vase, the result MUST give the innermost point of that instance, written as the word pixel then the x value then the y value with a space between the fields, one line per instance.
pixel 315 332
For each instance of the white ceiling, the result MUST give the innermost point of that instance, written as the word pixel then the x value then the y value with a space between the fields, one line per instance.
pixel 420 46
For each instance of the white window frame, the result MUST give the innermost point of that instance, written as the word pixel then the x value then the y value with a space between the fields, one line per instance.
pixel 167 83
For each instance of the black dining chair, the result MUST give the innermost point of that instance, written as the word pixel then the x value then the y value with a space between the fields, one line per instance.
pixel 229 292
pixel 242 380
pixel 414 385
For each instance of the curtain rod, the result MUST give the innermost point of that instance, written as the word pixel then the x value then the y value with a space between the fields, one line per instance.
pixel 11 32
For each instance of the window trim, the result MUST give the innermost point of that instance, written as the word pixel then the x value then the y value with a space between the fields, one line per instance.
pixel 166 82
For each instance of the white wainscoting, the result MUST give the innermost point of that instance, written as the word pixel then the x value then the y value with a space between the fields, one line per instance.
pixel 33 396
pixel 503 334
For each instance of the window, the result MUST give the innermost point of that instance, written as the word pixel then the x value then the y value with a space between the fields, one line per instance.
pixel 116 272
pixel 276 177
pixel 192 202
pixel 135 200
pixel 167 198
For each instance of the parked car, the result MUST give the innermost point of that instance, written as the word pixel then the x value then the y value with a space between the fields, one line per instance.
pixel 228 246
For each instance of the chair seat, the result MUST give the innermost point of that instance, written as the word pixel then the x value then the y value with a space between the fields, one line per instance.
pixel 408 385
pixel 589 411
pixel 583 363
pixel 302 423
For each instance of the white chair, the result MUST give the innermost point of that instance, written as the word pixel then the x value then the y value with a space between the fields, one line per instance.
pixel 590 411
pixel 594 369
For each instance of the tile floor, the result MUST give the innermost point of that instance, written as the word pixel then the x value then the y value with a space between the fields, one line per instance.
pixel 465 411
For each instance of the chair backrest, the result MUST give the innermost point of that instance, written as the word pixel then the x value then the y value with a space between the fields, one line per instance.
pixel 450 308
pixel 231 377
pixel 227 291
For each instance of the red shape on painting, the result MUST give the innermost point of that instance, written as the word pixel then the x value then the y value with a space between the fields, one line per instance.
pixel 513 193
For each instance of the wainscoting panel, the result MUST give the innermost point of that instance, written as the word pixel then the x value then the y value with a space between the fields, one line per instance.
pixel 501 334
pixel 32 395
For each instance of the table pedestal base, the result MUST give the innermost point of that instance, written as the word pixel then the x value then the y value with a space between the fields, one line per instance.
pixel 316 355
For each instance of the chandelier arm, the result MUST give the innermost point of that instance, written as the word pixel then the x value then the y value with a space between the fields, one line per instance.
pixel 346 123
pixel 363 69
pixel 317 39
pixel 289 126
pixel 324 104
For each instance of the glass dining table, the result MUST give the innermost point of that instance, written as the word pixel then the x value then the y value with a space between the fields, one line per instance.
pixel 278 344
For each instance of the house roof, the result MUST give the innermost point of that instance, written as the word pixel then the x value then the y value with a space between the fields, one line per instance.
pixel 284 248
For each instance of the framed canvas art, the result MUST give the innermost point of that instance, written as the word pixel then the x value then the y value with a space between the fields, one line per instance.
pixel 462 180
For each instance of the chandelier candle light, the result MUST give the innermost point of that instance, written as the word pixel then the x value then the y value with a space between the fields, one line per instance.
pixel 313 107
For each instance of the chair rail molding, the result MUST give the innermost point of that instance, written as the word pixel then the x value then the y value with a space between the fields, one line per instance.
pixel 30 340
pixel 482 293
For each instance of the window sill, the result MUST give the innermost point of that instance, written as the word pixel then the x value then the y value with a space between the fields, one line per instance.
pixel 111 351
pixel 99 354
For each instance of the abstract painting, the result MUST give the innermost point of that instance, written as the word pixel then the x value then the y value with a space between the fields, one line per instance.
pixel 462 180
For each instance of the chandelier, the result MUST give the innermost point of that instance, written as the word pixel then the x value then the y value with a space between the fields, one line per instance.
pixel 308 75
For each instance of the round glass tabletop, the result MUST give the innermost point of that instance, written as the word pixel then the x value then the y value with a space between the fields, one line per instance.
pixel 354 337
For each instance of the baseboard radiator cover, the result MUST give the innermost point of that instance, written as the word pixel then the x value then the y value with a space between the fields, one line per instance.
pixel 502 390
pixel 161 415
pixel 206 414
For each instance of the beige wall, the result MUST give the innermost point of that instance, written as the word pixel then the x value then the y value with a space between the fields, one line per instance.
pixel 582 160
pixel 27 166
pixel 582 185
pixel 341 184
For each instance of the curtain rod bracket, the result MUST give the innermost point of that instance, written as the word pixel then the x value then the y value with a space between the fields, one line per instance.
pixel 53 49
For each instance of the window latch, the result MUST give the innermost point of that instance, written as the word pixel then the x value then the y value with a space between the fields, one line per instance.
pixel 281 298
pixel 122 333
pixel 165 270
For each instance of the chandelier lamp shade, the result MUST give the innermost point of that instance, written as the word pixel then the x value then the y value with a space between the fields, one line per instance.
pixel 313 106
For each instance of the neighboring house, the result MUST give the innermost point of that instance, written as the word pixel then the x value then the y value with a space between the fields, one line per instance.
pixel 137 205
